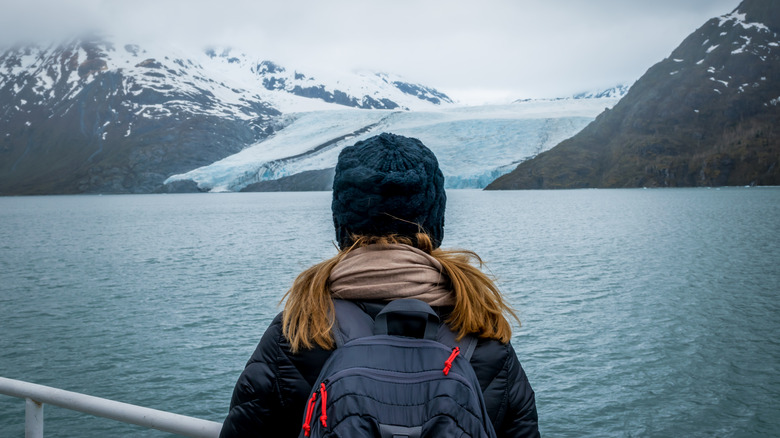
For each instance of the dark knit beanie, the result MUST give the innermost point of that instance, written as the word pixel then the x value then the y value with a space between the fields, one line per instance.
pixel 388 184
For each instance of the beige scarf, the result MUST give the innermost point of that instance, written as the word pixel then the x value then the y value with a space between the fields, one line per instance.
pixel 389 272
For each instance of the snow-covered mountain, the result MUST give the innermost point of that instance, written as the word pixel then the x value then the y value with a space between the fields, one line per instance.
pixel 98 115
pixel 362 90
pixel 292 90
pixel 236 80
pixel 616 92
pixel 101 115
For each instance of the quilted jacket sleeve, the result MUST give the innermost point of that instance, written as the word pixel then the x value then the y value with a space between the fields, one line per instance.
pixel 509 398
pixel 270 395
pixel 257 399
pixel 520 418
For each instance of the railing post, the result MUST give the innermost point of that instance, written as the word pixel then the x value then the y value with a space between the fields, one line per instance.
pixel 33 419
pixel 37 395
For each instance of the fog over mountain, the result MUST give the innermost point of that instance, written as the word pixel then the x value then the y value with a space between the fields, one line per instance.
pixel 474 52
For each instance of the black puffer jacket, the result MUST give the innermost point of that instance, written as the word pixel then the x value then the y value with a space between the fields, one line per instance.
pixel 271 393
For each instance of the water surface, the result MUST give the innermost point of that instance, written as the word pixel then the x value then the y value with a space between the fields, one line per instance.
pixel 644 312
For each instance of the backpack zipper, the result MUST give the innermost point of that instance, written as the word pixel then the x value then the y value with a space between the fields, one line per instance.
pixel 448 362
pixel 310 409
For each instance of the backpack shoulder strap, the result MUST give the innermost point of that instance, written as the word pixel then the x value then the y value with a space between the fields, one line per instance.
pixel 470 344
pixel 350 322
pixel 467 345
pixel 409 307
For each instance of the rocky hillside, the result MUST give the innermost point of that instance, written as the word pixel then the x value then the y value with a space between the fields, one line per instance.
pixel 708 115
pixel 97 116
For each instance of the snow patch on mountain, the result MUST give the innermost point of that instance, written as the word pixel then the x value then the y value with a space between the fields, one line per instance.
pixel 739 20
pixel 616 92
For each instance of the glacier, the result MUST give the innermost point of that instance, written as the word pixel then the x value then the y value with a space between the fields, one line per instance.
pixel 474 144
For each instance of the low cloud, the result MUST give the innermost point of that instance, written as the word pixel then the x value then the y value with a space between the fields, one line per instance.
pixel 513 49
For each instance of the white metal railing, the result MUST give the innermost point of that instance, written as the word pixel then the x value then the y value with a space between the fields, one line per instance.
pixel 37 395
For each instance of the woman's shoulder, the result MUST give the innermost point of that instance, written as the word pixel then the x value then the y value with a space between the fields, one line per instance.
pixel 275 348
pixel 270 342
pixel 492 358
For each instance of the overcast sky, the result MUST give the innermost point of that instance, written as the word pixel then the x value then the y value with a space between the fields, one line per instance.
pixel 475 51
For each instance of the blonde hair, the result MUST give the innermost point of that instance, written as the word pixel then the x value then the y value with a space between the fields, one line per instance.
pixel 479 307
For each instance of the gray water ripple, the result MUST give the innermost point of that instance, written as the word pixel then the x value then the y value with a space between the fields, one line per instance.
pixel 646 313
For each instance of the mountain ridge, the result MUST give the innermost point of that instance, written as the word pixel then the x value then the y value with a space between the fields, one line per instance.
pixel 704 116
pixel 95 115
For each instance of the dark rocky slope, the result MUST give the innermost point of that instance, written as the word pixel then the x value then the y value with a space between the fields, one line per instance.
pixel 73 123
pixel 709 115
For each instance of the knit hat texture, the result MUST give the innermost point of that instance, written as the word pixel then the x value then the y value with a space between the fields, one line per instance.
pixel 388 184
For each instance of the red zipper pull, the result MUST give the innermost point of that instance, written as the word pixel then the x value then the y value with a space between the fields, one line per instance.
pixel 448 362
pixel 309 412
pixel 324 393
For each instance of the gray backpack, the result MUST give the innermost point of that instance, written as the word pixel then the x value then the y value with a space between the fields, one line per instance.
pixel 402 375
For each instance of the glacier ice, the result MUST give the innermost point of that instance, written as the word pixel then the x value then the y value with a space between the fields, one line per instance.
pixel 474 145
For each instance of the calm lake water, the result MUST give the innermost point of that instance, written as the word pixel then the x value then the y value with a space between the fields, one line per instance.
pixel 645 313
